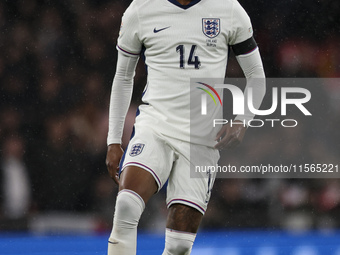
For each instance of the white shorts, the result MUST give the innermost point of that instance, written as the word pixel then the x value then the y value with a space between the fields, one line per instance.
pixel 168 159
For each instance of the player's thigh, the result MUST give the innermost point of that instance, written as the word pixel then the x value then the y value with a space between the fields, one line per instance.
pixel 187 187
pixel 140 181
pixel 183 218
pixel 146 163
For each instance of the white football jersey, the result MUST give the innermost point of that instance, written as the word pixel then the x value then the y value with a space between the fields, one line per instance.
pixel 179 43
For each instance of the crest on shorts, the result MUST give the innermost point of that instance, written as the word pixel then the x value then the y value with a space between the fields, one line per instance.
pixel 211 27
pixel 136 149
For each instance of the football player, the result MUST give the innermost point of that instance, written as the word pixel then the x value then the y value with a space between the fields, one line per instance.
pixel 181 39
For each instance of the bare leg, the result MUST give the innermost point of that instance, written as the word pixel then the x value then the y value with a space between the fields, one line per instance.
pixel 139 180
pixel 183 218
pixel 182 225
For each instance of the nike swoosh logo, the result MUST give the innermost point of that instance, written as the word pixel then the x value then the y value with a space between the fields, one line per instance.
pixel 113 242
pixel 159 30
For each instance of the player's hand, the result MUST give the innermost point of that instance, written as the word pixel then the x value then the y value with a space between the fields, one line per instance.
pixel 229 137
pixel 113 157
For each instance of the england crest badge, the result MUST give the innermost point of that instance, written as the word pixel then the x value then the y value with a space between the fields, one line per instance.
pixel 136 149
pixel 211 27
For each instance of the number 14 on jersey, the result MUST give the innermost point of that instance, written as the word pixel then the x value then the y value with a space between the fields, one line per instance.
pixel 192 60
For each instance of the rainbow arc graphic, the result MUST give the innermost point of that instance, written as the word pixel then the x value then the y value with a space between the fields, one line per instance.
pixel 204 97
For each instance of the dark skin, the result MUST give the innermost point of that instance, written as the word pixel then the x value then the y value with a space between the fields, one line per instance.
pixel 184 2
pixel 230 136
pixel 180 217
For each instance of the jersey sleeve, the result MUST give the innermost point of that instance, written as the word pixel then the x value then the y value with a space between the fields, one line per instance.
pixel 252 67
pixel 121 93
pixel 128 40
pixel 241 25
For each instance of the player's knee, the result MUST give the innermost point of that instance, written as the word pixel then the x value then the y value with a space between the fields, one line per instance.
pixel 129 207
pixel 180 247
pixel 178 243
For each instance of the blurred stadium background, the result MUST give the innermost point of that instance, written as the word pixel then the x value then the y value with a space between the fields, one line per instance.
pixel 57 61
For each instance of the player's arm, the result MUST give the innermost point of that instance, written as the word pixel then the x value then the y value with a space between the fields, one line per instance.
pixel 119 104
pixel 251 64
pixel 129 47
pixel 248 57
